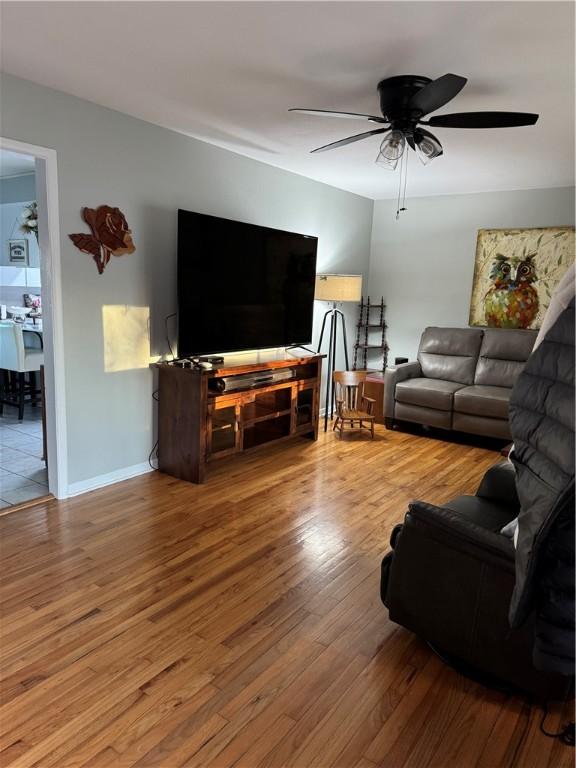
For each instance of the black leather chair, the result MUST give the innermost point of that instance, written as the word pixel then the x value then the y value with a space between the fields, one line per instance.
pixel 450 578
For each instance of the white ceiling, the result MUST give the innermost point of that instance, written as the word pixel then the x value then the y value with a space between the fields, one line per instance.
pixel 15 164
pixel 227 73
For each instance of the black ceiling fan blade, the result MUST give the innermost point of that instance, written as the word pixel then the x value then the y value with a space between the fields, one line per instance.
pixel 346 115
pixel 420 133
pixel 437 93
pixel 349 140
pixel 483 120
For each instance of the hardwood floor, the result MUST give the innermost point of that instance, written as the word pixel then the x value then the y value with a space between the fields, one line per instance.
pixel 157 623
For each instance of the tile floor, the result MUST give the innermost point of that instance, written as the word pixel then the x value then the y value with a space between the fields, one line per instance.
pixel 23 474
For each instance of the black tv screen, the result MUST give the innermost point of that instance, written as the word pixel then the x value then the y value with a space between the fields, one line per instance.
pixel 241 286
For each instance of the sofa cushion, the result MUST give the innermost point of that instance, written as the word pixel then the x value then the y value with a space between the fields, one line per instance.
pixel 502 356
pixel 429 393
pixel 450 354
pixel 418 414
pixel 481 425
pixel 483 401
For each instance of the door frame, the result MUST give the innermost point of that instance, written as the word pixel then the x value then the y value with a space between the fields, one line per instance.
pixel 52 316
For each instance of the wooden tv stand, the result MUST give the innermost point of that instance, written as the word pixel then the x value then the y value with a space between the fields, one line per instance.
pixel 198 425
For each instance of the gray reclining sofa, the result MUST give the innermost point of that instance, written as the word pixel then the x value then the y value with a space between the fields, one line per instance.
pixel 461 381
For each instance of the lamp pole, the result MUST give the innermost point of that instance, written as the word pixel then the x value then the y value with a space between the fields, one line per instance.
pixel 335 315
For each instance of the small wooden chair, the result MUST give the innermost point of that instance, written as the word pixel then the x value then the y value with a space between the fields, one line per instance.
pixel 351 403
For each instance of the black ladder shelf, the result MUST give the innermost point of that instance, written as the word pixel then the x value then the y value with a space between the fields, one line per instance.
pixel 366 327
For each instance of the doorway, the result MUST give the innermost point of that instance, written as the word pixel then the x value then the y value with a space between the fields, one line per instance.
pixel 33 459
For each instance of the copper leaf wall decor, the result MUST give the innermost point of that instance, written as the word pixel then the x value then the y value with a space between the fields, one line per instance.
pixel 110 235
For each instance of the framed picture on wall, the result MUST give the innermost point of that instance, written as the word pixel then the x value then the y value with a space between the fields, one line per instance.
pixel 18 252
pixel 516 272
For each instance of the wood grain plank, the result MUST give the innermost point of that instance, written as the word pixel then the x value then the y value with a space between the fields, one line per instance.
pixel 158 623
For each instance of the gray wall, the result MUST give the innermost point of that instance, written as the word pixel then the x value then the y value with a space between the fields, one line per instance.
pixel 18 189
pixel 15 193
pixel 10 220
pixel 149 172
pixel 423 264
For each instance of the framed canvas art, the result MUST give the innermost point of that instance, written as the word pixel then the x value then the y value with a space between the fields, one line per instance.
pixel 515 274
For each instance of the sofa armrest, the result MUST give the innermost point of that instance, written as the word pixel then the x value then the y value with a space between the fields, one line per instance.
pixel 499 485
pixel 393 376
pixel 453 531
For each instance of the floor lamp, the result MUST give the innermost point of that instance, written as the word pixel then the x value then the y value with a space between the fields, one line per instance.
pixel 336 289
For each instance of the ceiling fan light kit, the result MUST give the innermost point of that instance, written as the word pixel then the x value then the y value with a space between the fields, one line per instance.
pixel 404 101
pixel 426 146
pixel 391 150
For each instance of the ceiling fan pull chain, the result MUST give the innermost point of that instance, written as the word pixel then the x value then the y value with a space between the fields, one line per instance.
pixel 405 182
pixel 402 185
pixel 399 186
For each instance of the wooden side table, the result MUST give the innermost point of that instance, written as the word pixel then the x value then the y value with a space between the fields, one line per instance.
pixel 374 387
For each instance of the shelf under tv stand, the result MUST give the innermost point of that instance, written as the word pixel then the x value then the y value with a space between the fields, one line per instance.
pixel 198 425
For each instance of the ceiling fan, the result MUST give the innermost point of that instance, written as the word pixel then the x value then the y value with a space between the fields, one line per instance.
pixel 404 101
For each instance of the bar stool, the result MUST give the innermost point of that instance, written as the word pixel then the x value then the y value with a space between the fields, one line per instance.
pixel 17 359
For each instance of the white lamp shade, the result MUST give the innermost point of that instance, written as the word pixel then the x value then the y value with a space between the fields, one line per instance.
pixel 338 288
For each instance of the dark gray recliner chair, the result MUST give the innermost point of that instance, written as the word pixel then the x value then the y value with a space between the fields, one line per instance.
pixel 450 578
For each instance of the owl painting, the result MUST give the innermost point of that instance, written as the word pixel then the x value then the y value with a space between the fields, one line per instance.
pixel 515 274
pixel 512 302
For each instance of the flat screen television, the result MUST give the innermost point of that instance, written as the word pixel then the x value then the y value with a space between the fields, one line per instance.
pixel 241 286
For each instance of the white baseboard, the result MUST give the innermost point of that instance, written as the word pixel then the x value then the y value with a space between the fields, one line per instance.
pixel 93 483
